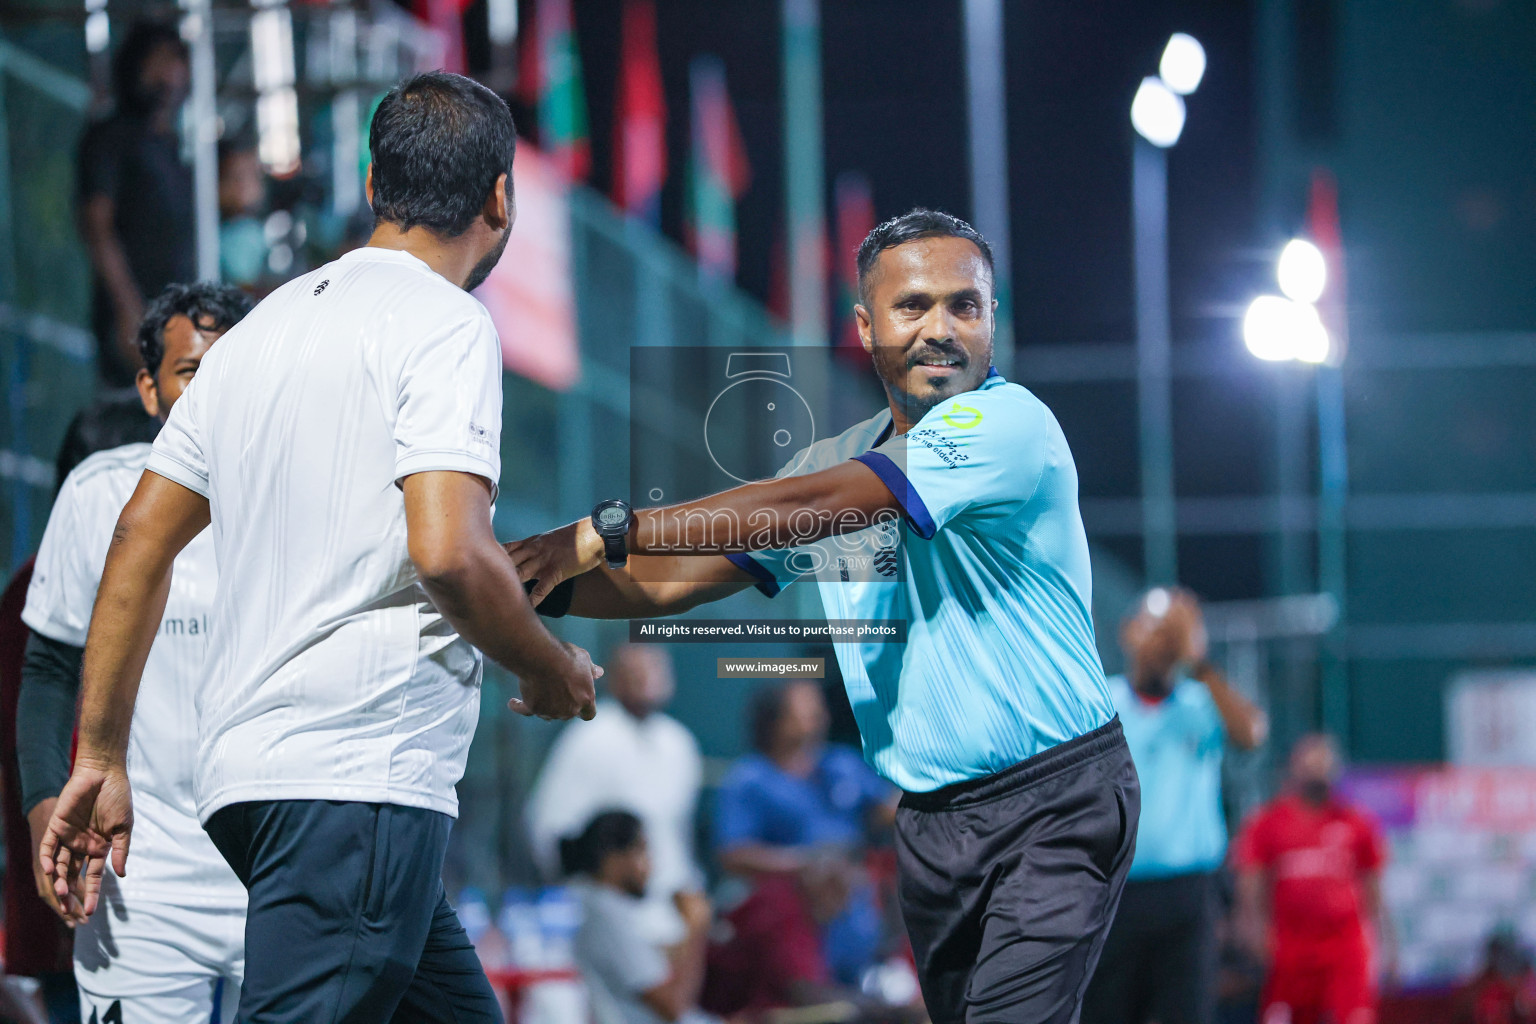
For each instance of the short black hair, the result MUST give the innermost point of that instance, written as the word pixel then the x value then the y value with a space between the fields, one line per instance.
pixel 609 832
pixel 210 307
pixel 909 227
pixel 439 141
pixel 143 38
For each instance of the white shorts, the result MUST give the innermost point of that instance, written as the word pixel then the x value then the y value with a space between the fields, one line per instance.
pixel 140 961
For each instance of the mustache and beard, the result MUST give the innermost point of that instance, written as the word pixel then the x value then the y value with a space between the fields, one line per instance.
pixel 894 366
pixel 487 263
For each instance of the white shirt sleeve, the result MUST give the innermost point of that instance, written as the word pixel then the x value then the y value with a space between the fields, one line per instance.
pixel 448 402
pixel 180 451
pixel 69 563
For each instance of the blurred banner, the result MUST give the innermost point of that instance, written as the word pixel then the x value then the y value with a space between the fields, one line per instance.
pixel 1490 718
pixel 1463 862
pixel 530 295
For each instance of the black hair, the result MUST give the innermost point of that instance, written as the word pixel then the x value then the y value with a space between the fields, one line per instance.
pixel 108 422
pixel 439 141
pixel 609 832
pixel 210 307
pixel 909 227
pixel 767 708
pixel 143 38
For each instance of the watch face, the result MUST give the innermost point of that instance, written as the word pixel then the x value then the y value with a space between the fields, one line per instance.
pixel 612 518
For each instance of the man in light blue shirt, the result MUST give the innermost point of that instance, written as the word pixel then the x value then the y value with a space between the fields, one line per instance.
pixel 1179 713
pixel 953 510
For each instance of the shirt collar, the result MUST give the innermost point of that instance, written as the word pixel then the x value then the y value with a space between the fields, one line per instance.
pixel 378 254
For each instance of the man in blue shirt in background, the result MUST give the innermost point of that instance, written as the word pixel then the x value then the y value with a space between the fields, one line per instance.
pixel 1179 713
pixel 957 508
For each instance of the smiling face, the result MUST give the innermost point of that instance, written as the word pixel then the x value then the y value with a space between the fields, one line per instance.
pixel 927 321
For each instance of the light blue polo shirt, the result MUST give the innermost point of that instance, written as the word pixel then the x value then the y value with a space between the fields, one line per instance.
pixel 988 567
pixel 1177 744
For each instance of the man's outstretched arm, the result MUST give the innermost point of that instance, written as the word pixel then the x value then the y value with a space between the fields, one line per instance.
pixel 94 813
pixel 475 586
pixel 770 514
pixel 651 586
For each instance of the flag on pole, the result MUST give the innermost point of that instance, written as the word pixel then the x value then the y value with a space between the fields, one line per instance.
pixel 718 173
pixel 640 130
pixel 855 219
pixel 549 80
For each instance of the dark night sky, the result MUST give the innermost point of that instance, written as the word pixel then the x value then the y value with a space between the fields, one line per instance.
pixel 894 99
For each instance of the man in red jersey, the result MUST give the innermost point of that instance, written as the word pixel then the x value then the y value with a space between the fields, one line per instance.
pixel 1308 896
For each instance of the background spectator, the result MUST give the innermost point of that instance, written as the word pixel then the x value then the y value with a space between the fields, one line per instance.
pixel 1178 713
pixel 1309 895
pixel 134 194
pixel 242 200
pixel 631 979
pixel 799 801
pixel 631 757
pixel 1504 989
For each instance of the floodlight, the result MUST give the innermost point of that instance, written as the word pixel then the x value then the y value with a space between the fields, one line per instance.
pixel 1303 271
pixel 1158 113
pixel 1183 64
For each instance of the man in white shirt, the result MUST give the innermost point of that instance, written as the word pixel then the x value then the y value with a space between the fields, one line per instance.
pixel 172 948
pixel 344 440
pixel 634 758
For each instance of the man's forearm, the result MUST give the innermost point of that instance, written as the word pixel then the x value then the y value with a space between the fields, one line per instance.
pixel 1246 725
pixel 652 586
pixel 129 606
pixel 484 601
pixel 768 515
pixel 45 717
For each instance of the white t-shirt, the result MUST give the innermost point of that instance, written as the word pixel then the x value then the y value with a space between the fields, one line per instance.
pixel 173 859
pixel 650 768
pixel 331 676
pixel 616 960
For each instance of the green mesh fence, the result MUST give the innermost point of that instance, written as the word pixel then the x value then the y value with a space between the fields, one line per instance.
pixel 46 354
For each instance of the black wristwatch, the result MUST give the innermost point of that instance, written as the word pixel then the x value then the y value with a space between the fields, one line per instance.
pixel 612 520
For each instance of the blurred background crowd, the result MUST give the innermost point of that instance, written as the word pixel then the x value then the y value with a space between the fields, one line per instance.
pixel 1267 260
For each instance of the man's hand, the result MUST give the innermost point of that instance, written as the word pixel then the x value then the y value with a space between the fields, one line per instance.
pixel 93 816
pixel 550 559
pixel 574 699
pixel 37 823
pixel 695 911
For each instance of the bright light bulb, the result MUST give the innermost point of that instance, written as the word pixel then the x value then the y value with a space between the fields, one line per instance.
pixel 1303 271
pixel 1158 113
pixel 1183 63
pixel 1277 329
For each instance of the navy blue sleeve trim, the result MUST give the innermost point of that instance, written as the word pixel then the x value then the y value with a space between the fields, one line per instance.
pixel 752 567
pixel 906 495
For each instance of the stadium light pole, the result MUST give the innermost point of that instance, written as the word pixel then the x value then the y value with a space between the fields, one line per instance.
pixel 987 116
pixel 804 174
pixel 1157 114
pixel 1291 329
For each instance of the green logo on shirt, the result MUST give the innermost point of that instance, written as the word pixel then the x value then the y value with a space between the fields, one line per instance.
pixel 963 417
